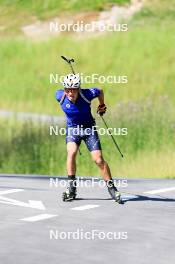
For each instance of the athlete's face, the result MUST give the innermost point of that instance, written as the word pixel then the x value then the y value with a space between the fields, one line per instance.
pixel 72 94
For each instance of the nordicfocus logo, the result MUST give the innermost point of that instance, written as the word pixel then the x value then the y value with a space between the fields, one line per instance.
pixel 81 182
pixel 92 79
pixel 67 105
pixel 81 234
pixel 81 26
pixel 79 130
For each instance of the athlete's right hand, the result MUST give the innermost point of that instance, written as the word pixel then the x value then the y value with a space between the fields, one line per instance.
pixel 101 110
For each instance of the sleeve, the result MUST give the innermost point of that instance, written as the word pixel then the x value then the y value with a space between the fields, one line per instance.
pixel 58 95
pixel 92 93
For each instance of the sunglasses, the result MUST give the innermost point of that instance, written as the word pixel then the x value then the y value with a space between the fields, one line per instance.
pixel 67 90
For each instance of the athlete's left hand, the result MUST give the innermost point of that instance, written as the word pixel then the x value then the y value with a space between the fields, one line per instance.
pixel 101 110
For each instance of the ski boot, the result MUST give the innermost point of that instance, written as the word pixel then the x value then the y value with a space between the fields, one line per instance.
pixel 115 194
pixel 71 191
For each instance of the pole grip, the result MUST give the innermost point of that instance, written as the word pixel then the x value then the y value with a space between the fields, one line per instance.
pixel 64 58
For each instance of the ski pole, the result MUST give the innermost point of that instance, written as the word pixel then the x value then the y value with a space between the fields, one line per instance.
pixel 117 146
pixel 69 61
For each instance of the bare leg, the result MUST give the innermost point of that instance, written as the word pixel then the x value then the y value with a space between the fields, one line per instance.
pixel 106 173
pixel 70 193
pixel 72 149
pixel 102 164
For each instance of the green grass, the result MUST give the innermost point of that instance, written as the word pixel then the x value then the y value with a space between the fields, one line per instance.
pixel 148 148
pixel 157 10
pixel 45 7
pixel 145 105
pixel 145 55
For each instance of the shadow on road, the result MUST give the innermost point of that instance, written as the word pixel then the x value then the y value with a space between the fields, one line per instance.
pixel 93 199
pixel 137 198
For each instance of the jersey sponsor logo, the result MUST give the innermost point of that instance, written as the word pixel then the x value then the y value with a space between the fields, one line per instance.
pixel 67 105
pixel 93 92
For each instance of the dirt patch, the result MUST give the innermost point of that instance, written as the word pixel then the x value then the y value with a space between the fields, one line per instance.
pixel 96 21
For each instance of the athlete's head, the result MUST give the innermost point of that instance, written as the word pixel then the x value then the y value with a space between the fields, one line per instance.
pixel 71 85
pixel 71 81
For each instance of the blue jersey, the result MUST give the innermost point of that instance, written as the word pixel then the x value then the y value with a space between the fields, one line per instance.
pixel 78 113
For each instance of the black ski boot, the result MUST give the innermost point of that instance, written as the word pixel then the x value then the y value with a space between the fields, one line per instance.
pixel 71 191
pixel 115 194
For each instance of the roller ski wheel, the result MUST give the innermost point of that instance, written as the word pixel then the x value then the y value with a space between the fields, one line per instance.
pixel 114 193
pixel 118 197
pixel 68 197
pixel 71 191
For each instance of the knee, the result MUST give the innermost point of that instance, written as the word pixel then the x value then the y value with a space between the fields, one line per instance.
pixel 99 161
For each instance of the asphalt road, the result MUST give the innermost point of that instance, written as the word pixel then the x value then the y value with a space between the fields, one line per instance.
pixel 37 227
pixel 32 117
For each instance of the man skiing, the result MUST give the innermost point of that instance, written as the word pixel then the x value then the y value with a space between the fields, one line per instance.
pixel 76 104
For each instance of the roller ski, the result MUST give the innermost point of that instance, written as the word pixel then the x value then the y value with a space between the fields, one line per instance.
pixel 71 192
pixel 114 193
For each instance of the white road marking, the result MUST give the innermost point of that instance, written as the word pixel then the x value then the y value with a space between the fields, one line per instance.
pixel 38 217
pixel 160 190
pixel 85 207
pixel 11 191
pixel 31 204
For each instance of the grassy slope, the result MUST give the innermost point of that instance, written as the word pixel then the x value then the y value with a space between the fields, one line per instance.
pixel 15 13
pixel 43 7
pixel 145 54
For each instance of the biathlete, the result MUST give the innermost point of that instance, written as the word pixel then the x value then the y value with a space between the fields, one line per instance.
pixel 76 104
